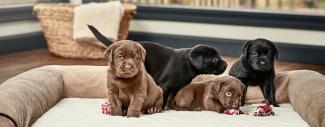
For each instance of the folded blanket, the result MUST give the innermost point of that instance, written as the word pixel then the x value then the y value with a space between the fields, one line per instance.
pixel 104 16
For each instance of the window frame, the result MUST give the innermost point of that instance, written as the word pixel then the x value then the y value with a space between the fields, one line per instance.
pixel 9 14
pixel 243 17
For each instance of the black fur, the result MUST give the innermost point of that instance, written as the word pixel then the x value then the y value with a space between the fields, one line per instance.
pixel 256 67
pixel 172 68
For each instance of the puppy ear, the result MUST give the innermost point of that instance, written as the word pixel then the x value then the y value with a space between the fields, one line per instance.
pixel 245 48
pixel 196 56
pixel 276 51
pixel 109 54
pixel 243 87
pixel 143 53
pixel 107 42
pixel 217 86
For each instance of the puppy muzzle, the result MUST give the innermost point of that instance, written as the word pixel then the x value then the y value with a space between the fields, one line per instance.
pixel 263 65
pixel 224 65
pixel 127 70
pixel 233 104
pixel 127 67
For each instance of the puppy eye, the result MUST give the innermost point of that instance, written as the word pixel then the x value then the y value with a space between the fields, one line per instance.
pixel 120 57
pixel 255 53
pixel 215 60
pixel 228 94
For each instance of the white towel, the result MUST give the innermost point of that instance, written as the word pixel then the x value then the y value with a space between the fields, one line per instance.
pixel 105 17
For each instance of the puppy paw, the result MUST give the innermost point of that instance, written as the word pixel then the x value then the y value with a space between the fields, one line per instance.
pixel 181 109
pixel 124 112
pixel 116 112
pixel 153 110
pixel 132 115
pixel 197 109
pixel 275 105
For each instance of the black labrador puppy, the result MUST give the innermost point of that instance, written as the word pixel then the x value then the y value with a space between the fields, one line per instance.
pixel 172 69
pixel 256 67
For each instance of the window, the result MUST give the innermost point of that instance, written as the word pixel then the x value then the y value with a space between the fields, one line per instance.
pixel 306 6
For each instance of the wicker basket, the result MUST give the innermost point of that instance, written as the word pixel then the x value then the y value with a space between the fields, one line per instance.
pixel 56 21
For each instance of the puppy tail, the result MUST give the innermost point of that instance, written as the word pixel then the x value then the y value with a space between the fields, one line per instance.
pixel 100 36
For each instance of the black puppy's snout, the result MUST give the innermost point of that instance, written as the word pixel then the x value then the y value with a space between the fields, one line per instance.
pixel 224 64
pixel 263 62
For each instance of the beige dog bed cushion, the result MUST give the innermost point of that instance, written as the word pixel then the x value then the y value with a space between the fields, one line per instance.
pixel 30 97
pixel 77 112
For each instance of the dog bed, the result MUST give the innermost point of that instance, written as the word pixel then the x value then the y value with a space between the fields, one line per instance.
pixel 77 112
pixel 72 96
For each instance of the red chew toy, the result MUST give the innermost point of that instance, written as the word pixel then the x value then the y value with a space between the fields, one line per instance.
pixel 263 110
pixel 232 112
pixel 106 108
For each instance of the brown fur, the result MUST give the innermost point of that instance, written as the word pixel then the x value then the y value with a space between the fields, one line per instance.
pixel 130 88
pixel 208 92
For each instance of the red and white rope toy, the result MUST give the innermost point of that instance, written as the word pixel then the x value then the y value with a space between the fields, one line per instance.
pixel 107 108
pixel 262 110
pixel 232 112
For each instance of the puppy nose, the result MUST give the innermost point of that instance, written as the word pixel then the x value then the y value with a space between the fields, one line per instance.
pixel 235 106
pixel 127 66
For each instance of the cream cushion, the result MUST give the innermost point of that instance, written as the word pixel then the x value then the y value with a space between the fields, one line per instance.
pixel 85 112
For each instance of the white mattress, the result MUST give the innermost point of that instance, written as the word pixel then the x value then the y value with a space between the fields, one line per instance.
pixel 76 112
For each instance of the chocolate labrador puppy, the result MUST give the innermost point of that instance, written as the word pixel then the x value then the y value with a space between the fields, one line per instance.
pixel 172 68
pixel 209 92
pixel 130 88
pixel 256 67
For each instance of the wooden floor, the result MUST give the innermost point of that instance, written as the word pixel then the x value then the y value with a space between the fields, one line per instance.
pixel 16 63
